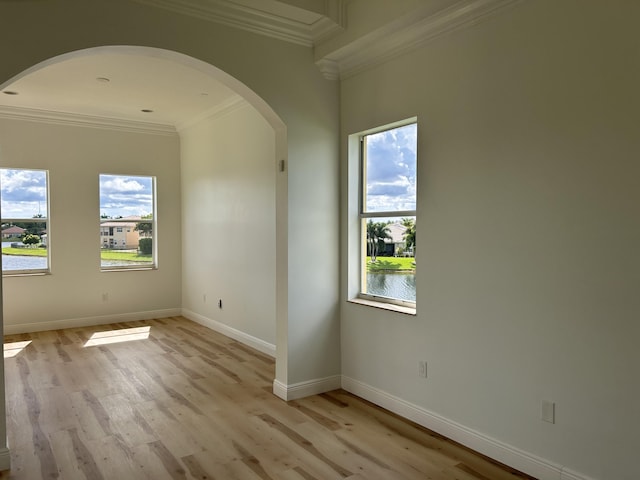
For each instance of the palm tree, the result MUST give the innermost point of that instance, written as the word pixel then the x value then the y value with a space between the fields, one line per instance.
pixel 376 233
pixel 410 233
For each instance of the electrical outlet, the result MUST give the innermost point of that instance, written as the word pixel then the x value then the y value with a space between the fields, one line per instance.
pixel 422 369
pixel 548 411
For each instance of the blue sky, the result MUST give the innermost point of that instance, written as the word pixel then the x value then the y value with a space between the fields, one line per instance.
pixel 24 193
pixel 391 170
pixel 124 196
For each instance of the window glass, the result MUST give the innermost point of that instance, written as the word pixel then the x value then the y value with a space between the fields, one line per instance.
pixel 127 222
pixel 388 215
pixel 25 224
pixel 390 170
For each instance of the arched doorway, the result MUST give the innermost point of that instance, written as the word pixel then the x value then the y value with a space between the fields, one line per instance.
pixel 159 58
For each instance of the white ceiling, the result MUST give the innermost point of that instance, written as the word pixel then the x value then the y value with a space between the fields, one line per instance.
pixel 119 86
pixel 178 93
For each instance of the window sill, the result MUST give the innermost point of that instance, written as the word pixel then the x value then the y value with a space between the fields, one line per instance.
pixel 128 269
pixel 384 306
pixel 25 274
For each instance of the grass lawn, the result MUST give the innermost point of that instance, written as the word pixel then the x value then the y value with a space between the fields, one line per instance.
pixel 126 256
pixel 386 264
pixel 104 254
pixel 25 252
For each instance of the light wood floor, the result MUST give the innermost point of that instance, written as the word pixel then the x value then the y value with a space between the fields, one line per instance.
pixel 170 399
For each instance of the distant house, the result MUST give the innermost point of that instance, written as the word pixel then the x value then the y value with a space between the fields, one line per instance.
pixel 121 235
pixel 12 232
pixel 396 243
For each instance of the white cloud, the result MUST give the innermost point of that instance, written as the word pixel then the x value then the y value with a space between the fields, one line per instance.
pixel 122 195
pixel 391 169
pixel 23 193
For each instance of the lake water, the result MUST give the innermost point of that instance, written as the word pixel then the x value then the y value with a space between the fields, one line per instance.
pixel 17 262
pixel 395 285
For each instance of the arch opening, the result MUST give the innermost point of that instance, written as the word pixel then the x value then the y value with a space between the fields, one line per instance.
pixel 191 140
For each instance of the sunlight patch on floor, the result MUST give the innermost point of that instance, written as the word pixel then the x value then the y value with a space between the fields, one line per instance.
pixel 118 336
pixel 12 349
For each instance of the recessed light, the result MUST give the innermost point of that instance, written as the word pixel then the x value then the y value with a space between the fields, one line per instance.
pixel 103 80
pixel 146 110
pixel 10 92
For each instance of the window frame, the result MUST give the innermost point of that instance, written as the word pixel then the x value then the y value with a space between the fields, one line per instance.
pixel 46 220
pixel 363 216
pixel 153 265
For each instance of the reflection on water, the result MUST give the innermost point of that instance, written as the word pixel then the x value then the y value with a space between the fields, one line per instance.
pixel 18 262
pixel 394 285
pixel 14 262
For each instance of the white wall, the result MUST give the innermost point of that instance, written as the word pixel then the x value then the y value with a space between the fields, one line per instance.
pixel 528 236
pixel 228 220
pixel 285 78
pixel 74 157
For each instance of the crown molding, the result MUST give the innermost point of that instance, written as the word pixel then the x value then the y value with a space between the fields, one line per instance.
pixel 289 28
pixel 405 34
pixel 228 106
pixel 80 120
pixel 329 68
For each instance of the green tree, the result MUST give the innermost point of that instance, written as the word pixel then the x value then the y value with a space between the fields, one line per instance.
pixel 146 246
pixel 35 228
pixel 376 233
pixel 30 239
pixel 145 228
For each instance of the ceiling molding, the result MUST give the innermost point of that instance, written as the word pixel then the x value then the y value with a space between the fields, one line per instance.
pixel 79 120
pixel 329 68
pixel 305 28
pixel 228 106
pixel 406 34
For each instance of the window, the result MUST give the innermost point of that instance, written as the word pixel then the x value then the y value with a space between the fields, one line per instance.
pixel 127 222
pixel 25 224
pixel 387 214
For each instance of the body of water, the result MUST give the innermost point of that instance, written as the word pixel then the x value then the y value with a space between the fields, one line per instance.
pixel 18 262
pixel 394 285
pixel 13 262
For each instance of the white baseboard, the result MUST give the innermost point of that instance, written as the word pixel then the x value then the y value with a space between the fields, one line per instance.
pixel 253 342
pixel 5 459
pixel 499 451
pixel 306 389
pixel 11 329
pixel 280 390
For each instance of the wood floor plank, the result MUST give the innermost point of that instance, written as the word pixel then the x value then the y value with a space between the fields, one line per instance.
pixel 196 470
pixel 171 464
pixel 84 458
pixel 167 427
pixel 126 421
pixel 169 399
pixel 114 458
pixel 40 440
pixel 302 442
